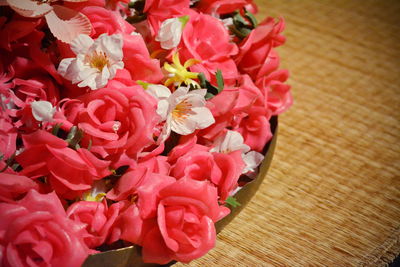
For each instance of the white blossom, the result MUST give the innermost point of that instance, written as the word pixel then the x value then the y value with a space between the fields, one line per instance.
pixel 183 111
pixel 170 32
pixel 96 61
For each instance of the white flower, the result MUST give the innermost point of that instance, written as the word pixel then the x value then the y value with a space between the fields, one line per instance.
pixel 183 111
pixel 96 61
pixel 170 32
pixel 43 110
pixel 233 141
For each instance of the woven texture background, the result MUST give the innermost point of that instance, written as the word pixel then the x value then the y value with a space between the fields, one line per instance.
pixel 332 194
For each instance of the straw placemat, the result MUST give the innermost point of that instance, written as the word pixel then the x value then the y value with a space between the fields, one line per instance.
pixel 332 195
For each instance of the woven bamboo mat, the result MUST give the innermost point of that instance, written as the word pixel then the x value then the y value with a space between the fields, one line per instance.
pixel 332 195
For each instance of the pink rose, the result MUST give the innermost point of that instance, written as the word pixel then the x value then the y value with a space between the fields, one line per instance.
pixel 14 186
pixel 206 39
pixel 115 119
pixel 138 191
pixel 39 88
pixel 255 57
pixel 141 185
pixel 36 232
pixel 8 135
pixel 106 21
pixel 69 172
pixel 138 62
pixel 98 218
pixel 223 170
pixel 256 129
pixel 221 6
pixel 279 97
pixel 186 214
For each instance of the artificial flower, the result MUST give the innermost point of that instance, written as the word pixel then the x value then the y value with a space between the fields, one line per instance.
pixel 170 32
pixel 183 111
pixel 35 231
pixel 64 23
pixel 96 61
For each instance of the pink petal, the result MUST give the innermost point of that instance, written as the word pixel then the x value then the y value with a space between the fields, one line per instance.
pixel 29 8
pixel 66 24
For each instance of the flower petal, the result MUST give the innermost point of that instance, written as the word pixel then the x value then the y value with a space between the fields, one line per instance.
pixel 81 44
pixel 29 8
pixel 66 24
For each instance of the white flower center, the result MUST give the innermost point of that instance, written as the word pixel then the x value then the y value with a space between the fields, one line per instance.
pixel 98 60
pixel 181 110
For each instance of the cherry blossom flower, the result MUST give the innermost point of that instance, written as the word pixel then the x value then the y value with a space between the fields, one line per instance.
pixel 183 111
pixel 64 23
pixel 96 62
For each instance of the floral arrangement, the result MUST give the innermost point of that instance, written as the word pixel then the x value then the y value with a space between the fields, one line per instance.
pixel 129 122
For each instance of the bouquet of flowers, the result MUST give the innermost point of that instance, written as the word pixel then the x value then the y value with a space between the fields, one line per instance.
pixel 129 122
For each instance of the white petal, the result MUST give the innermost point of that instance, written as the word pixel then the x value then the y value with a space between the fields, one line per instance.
pixel 203 117
pixel 170 33
pixel 81 44
pixel 114 67
pixel 252 159
pixel 27 8
pixel 183 126
pixel 111 45
pixel 67 24
pixel 63 66
pixel 158 91
pixel 42 110
pixel 232 141
pixel 162 109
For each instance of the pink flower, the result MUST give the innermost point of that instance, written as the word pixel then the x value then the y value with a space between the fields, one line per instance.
pixel 221 6
pixel 36 232
pixel 106 21
pixel 206 39
pixel 138 62
pixel 69 172
pixel 186 214
pixel 255 57
pixel 116 119
pixel 98 218
pixel 279 97
pixel 223 170
pixel 143 186
pixel 14 186
pixel 8 134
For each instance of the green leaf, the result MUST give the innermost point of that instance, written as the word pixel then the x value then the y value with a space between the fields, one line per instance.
pixel 184 20
pixel 75 135
pixel 56 128
pixel 251 17
pixel 220 80
pixel 209 96
pixel 202 80
pixel 232 202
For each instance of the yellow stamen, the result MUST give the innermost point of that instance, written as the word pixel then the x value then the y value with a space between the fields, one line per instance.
pixel 181 110
pixel 87 196
pixel 98 60
pixel 179 73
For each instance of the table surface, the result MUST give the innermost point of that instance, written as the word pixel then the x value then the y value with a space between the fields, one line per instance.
pixel 332 194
